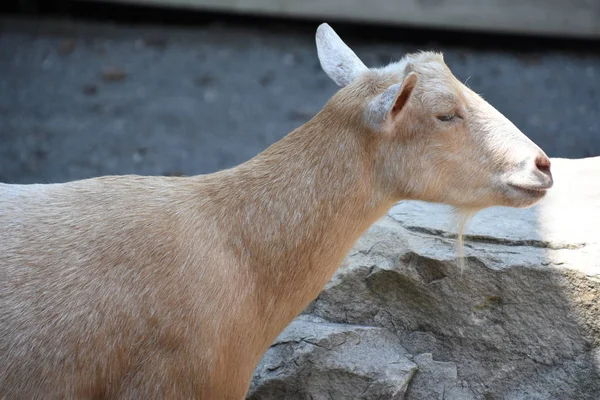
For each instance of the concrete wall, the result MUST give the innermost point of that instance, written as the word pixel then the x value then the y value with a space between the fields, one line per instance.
pixel 569 18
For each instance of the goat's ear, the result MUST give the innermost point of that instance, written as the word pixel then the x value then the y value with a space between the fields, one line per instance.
pixel 384 109
pixel 337 60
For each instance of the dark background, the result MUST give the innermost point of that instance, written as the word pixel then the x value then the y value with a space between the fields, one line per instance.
pixel 95 89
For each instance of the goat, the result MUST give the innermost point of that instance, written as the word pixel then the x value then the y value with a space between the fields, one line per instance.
pixel 139 287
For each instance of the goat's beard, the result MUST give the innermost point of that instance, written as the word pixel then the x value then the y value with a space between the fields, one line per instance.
pixel 462 217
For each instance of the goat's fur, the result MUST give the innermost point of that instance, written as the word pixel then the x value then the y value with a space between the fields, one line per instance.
pixel 131 287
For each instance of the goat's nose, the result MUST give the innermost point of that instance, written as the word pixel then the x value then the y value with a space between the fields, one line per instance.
pixel 542 162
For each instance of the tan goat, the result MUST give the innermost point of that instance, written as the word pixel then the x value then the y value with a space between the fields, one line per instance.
pixel 131 287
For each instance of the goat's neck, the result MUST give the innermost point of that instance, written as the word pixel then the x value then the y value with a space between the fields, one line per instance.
pixel 302 205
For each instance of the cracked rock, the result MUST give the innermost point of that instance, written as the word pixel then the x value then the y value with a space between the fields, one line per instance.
pixel 437 380
pixel 313 359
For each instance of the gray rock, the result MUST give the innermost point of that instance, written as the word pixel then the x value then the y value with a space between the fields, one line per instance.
pixel 437 380
pixel 521 321
pixel 313 359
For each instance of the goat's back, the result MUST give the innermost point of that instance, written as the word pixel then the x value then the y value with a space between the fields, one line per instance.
pixel 97 294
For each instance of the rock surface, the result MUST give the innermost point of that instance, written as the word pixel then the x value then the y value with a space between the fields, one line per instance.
pixel 400 320
pixel 318 360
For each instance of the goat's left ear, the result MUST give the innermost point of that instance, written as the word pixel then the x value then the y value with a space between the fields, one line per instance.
pixel 338 61
pixel 384 109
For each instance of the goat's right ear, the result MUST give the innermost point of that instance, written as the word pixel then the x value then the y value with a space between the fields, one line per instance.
pixel 384 109
pixel 338 61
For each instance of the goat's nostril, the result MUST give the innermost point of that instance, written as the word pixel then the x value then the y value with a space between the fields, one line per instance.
pixel 543 164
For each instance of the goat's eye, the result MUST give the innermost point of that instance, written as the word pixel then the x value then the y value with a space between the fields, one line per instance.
pixel 446 117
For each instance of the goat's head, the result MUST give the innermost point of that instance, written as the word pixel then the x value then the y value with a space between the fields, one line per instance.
pixel 433 138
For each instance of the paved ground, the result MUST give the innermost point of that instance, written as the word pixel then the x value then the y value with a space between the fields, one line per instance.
pixel 85 99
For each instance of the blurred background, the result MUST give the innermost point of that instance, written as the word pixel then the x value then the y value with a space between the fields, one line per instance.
pixel 183 87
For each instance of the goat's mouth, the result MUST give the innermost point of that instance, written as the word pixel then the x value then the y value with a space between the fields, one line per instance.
pixel 529 191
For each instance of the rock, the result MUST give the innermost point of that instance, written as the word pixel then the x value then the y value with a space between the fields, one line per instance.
pixel 313 359
pixel 521 321
pixel 437 380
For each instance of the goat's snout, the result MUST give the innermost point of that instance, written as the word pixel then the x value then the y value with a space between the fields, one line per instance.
pixel 533 178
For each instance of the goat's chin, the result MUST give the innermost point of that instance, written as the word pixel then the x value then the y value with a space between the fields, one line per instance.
pixel 520 197
pixel 498 200
pixel 527 204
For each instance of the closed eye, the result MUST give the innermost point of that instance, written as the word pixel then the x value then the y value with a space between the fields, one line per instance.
pixel 446 117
